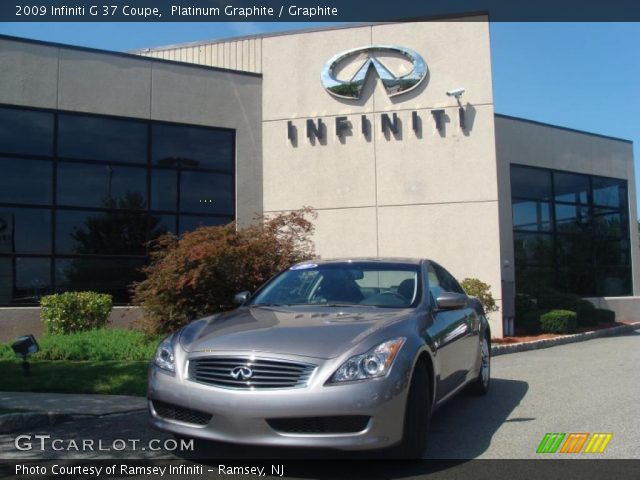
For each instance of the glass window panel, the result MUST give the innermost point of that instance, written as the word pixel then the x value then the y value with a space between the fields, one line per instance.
pixel 611 252
pixel 577 279
pixel 105 186
pixel 533 248
pixel 32 279
pixel 206 193
pixel 7 276
pixel 609 192
pixel 531 279
pixel 26 132
pixel 609 224
pixel 531 183
pixel 571 187
pixel 113 275
pixel 189 223
pixel 574 250
pixel 161 224
pixel 534 216
pixel 25 230
pixel 102 139
pixel 101 233
pixel 192 147
pixel 613 282
pixel 571 218
pixel 26 181
pixel 164 190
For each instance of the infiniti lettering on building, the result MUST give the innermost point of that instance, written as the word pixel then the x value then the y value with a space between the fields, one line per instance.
pixel 352 88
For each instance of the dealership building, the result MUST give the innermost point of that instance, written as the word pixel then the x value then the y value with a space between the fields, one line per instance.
pixel 387 130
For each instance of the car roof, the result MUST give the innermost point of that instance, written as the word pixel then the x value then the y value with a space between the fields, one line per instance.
pixel 398 260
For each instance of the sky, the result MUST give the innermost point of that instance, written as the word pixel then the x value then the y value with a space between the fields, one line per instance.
pixel 577 75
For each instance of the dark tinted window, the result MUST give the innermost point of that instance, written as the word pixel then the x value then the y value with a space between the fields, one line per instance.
pixel 105 186
pixel 191 222
pixel 102 139
pixel 609 192
pixel 571 187
pixel 25 230
pixel 164 189
pixel 109 275
pixel 26 181
pixel 572 218
pixel 531 183
pixel 531 215
pixel 100 233
pixel 533 248
pixel 206 193
pixel 26 132
pixel 161 224
pixel 32 279
pixel 192 147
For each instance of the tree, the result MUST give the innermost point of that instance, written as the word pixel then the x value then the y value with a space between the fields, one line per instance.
pixel 198 273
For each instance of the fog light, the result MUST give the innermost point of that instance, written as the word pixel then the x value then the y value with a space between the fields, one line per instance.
pixel 23 347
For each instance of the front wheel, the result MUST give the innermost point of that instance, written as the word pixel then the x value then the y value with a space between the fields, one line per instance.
pixel 417 415
pixel 481 384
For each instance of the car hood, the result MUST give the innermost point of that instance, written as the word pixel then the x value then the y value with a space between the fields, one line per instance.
pixel 323 332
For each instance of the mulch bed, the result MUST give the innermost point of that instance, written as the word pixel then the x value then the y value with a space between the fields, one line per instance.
pixel 523 337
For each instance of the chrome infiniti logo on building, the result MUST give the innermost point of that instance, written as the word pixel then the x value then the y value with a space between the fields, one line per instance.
pixel 394 85
pixel 241 373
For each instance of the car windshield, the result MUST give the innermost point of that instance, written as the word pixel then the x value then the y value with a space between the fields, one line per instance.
pixel 343 284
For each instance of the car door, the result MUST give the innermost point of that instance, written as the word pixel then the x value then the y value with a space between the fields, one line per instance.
pixel 454 332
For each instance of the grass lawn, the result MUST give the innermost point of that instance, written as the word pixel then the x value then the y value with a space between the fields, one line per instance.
pixel 106 377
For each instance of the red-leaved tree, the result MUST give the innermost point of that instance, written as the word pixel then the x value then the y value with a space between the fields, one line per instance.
pixel 198 273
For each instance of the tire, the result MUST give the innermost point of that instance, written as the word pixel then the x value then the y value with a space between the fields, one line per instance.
pixel 481 384
pixel 417 415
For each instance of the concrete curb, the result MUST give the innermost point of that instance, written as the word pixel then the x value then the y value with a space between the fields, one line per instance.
pixel 10 422
pixel 552 342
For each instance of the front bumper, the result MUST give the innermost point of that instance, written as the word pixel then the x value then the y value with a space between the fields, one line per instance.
pixel 240 416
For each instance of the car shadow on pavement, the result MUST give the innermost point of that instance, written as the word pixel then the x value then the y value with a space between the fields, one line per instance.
pixel 461 430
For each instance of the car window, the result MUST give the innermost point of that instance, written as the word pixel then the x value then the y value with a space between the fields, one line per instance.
pixel 435 288
pixel 353 283
pixel 447 281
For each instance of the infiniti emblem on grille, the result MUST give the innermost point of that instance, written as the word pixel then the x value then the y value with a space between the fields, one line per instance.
pixel 241 373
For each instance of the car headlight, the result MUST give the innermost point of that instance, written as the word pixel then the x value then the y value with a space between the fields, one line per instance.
pixel 372 364
pixel 164 357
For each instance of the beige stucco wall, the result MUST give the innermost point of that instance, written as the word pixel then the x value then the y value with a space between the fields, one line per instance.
pixel 430 194
pixel 529 143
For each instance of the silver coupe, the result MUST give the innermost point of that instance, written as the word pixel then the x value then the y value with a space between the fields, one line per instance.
pixel 346 354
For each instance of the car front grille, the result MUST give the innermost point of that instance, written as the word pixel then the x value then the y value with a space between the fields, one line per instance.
pixel 312 425
pixel 246 373
pixel 169 411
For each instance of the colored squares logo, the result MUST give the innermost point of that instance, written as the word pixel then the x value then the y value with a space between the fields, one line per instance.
pixel 574 442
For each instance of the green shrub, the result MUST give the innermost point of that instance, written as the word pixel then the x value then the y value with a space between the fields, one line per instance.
pixel 198 273
pixel 530 321
pixel 482 291
pixel 93 345
pixel 586 313
pixel 558 321
pixel 6 353
pixel 75 311
pixel 605 316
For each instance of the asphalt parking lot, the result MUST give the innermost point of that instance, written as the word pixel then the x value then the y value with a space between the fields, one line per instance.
pixel 582 387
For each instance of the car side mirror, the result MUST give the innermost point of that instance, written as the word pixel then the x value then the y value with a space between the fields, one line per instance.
pixel 451 300
pixel 242 297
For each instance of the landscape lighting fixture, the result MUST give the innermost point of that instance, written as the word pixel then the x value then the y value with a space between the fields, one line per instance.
pixel 23 347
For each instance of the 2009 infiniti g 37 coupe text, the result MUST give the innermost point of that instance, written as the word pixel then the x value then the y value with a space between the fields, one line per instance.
pixel 347 354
